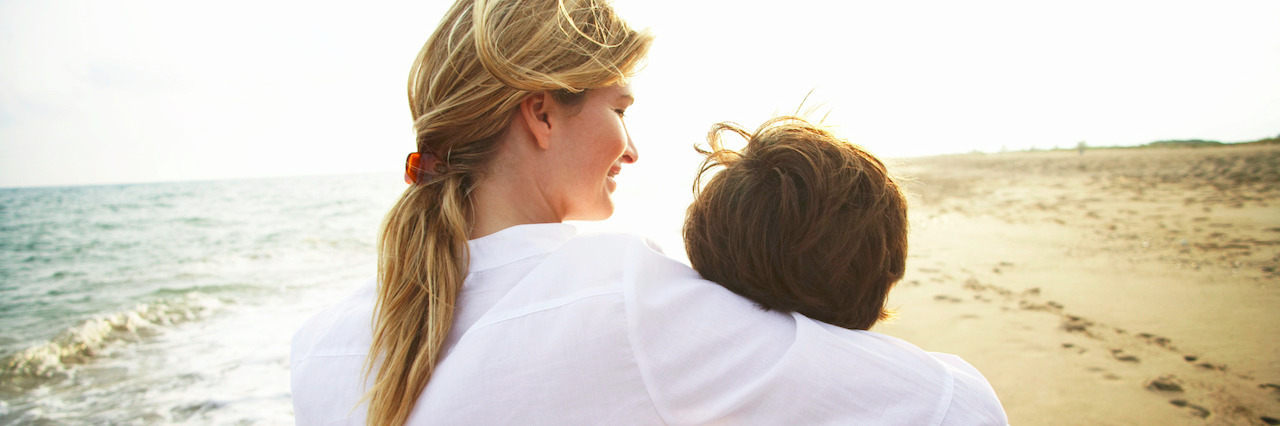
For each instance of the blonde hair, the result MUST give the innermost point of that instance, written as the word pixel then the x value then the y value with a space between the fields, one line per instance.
pixel 484 58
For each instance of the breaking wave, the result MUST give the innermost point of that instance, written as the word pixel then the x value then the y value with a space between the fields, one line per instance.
pixel 92 338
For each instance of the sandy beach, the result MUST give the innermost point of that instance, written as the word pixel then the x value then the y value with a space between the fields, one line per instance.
pixel 1117 286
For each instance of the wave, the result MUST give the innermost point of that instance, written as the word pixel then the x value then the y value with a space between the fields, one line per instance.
pixel 236 290
pixel 198 221
pixel 82 343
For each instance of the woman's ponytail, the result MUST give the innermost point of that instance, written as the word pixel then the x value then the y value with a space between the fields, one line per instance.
pixel 421 267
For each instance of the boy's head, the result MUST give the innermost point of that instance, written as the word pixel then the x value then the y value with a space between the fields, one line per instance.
pixel 801 221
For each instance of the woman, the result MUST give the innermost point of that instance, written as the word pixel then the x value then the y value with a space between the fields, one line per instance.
pixel 488 310
pixel 518 112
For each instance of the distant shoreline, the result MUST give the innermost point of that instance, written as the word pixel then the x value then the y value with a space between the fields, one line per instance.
pixel 1165 144
pixel 1191 143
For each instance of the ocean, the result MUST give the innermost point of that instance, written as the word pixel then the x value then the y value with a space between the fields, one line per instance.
pixel 176 302
pixel 172 302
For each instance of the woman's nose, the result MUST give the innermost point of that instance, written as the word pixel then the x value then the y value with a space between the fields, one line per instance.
pixel 631 155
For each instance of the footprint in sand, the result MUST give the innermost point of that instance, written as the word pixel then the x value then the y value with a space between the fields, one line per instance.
pixel 1275 389
pixel 1196 410
pixel 1050 306
pixel 1076 324
pixel 947 298
pixel 1165 384
pixel 1123 357
pixel 1208 366
pixel 1160 341
pixel 1106 374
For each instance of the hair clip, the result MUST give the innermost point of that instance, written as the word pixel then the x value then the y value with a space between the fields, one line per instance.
pixel 414 169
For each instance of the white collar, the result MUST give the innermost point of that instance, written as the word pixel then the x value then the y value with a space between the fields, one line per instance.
pixel 517 243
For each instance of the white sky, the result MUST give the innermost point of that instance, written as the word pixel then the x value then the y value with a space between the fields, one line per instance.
pixel 139 91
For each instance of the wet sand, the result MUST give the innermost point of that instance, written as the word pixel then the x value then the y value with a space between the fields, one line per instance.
pixel 1121 286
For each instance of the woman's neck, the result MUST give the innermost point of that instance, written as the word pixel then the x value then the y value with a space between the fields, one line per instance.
pixel 508 198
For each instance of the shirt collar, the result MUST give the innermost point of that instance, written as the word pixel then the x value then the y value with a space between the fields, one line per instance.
pixel 517 243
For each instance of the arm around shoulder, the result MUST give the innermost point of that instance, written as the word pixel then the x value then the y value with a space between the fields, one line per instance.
pixel 700 347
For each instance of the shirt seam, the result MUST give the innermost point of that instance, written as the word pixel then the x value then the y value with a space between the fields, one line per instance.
pixel 546 306
pixel 944 405
pixel 629 300
pixel 508 262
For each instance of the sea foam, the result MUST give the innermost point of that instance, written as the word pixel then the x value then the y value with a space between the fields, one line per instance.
pixel 93 337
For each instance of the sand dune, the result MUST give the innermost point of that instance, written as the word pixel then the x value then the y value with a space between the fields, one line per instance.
pixel 1121 286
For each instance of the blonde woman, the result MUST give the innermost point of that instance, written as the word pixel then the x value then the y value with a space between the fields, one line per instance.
pixel 488 310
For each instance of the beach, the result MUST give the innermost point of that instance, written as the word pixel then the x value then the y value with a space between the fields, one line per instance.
pixel 1109 286
pixel 1117 286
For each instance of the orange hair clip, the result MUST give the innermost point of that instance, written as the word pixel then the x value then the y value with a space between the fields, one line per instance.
pixel 414 172
pixel 411 164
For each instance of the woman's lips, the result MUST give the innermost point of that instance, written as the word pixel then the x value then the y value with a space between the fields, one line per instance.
pixel 613 184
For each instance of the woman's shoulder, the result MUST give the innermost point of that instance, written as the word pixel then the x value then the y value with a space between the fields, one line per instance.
pixel 341 329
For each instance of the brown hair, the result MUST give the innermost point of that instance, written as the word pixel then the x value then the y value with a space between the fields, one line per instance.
pixel 483 59
pixel 799 221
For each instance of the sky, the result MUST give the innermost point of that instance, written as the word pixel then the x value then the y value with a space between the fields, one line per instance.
pixel 103 92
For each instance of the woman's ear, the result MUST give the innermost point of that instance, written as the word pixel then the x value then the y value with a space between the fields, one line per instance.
pixel 535 111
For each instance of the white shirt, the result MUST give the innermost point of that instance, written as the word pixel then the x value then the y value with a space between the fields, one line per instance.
pixel 553 328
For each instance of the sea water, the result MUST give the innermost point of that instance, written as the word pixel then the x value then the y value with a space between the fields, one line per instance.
pixel 175 302
pixel 172 302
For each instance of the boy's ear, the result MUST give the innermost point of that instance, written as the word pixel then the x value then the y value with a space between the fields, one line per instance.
pixel 536 110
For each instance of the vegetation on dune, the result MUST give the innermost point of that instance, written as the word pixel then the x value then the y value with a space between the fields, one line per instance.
pixel 1200 143
pixel 1186 143
pixel 1180 143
